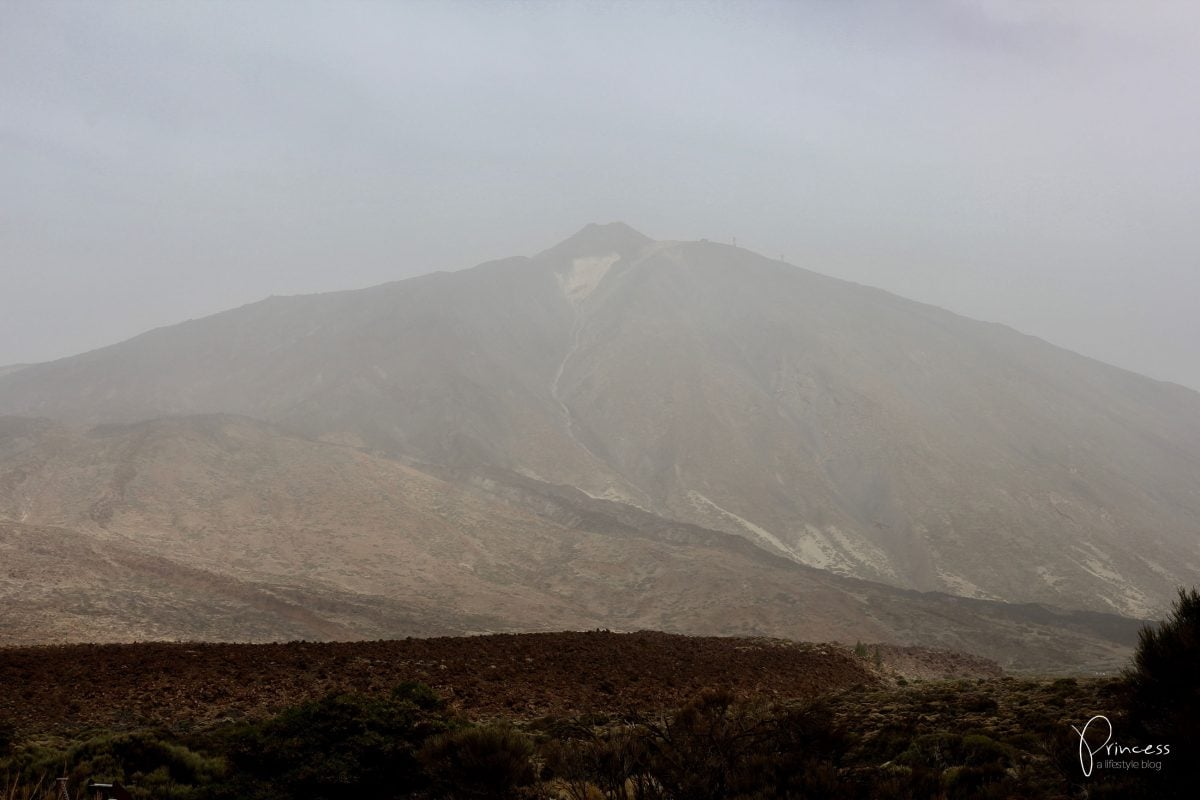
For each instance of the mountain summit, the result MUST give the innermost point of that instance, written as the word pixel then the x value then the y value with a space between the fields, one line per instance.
pixel 825 422
pixel 599 240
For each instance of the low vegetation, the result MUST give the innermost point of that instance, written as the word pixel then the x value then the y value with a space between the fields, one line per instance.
pixel 987 737
pixel 994 738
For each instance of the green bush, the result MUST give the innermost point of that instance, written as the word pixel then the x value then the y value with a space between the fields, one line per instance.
pixel 147 762
pixel 978 749
pixel 483 762
pixel 338 745
pixel 978 702
pixel 1164 694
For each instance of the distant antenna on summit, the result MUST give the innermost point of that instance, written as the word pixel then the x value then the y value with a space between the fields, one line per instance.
pixel 735 241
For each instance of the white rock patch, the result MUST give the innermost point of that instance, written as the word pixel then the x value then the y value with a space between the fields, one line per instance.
pixel 762 533
pixel 584 276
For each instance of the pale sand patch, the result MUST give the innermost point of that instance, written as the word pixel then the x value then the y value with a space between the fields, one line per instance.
pixel 585 275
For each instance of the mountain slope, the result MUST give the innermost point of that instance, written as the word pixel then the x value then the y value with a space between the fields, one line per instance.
pixel 841 426
pixel 222 527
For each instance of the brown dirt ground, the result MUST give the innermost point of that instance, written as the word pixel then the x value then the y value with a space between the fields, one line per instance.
pixel 180 685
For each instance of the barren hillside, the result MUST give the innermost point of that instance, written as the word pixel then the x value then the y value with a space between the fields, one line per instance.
pixel 221 527
pixel 840 426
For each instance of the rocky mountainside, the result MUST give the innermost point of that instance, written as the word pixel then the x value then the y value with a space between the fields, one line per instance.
pixel 226 528
pixel 837 425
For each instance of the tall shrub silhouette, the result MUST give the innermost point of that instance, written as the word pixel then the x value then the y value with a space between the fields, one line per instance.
pixel 1164 679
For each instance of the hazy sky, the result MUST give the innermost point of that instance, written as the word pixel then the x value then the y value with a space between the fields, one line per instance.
pixel 1033 163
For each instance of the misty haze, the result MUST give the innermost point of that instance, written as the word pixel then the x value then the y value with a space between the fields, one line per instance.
pixel 573 401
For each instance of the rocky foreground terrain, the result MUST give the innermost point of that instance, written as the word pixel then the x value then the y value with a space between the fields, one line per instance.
pixel 523 676
pixel 566 716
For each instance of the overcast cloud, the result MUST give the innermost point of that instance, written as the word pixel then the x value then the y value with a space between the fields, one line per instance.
pixel 1031 163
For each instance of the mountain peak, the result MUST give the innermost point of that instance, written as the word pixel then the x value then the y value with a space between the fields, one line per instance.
pixel 594 239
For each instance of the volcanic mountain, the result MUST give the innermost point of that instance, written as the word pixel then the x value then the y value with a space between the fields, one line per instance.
pixel 827 423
